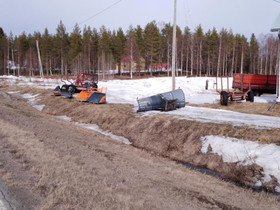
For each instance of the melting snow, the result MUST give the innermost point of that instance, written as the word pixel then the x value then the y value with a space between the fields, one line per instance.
pixel 33 101
pixel 246 153
pixel 64 118
pixel 96 128
pixel 224 116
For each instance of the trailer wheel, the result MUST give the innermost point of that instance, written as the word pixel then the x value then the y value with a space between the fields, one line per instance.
pixel 224 98
pixel 251 96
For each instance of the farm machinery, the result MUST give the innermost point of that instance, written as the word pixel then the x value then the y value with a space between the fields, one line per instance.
pixel 86 86
pixel 259 84
pixel 82 82
pixel 237 95
pixel 93 95
pixel 165 101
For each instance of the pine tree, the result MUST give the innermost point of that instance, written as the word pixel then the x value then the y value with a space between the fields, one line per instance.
pixel 187 47
pixel 46 49
pixel 139 38
pixel 254 47
pixel 118 48
pixel 105 51
pixel 21 47
pixel 87 48
pixel 95 48
pixel 132 50
pixel 75 49
pixel 62 45
pixel 167 44
pixel 198 38
pixel 152 39
pixel 3 52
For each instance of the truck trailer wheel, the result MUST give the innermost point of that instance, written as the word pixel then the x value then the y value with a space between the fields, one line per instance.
pixel 251 96
pixel 224 98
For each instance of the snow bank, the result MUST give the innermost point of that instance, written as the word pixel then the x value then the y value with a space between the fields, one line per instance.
pixel 244 152
pixel 220 116
pixel 127 91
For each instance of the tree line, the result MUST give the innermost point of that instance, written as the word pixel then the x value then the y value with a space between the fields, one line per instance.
pixel 90 50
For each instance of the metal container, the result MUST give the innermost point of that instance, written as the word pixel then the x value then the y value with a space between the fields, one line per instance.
pixel 163 101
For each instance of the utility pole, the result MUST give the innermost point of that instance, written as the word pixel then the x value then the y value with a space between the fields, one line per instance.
pixel 276 28
pixel 174 46
pixel 278 72
pixel 8 56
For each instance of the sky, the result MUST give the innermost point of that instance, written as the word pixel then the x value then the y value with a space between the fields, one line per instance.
pixel 242 16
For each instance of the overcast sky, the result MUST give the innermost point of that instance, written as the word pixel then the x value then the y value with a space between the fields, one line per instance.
pixel 242 16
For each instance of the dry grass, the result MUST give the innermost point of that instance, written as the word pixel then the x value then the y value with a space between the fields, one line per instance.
pixel 248 107
pixel 71 167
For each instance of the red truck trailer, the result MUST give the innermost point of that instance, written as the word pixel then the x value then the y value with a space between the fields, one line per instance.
pixel 259 84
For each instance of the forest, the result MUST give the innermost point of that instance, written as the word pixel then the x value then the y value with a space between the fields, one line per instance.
pixel 91 50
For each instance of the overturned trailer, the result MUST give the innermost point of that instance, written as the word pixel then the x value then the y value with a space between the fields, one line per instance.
pixel 163 101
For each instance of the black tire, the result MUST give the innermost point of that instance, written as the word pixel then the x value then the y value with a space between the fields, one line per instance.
pixel 224 98
pixel 251 96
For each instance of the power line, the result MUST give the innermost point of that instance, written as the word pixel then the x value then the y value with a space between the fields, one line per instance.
pixel 276 1
pixel 100 12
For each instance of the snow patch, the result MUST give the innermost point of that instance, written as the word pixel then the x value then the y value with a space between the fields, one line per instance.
pixel 64 117
pixel 96 128
pixel 244 152
pixel 32 100
pixel 220 116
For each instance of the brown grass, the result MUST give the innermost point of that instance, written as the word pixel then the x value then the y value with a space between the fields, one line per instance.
pixel 164 135
pixel 248 107
pixel 65 161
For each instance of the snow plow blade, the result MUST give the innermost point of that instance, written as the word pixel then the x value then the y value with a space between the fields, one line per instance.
pixel 84 95
pixel 97 98
pixel 165 101
pixel 67 91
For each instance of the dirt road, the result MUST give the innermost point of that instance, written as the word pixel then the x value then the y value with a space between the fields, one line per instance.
pixel 48 163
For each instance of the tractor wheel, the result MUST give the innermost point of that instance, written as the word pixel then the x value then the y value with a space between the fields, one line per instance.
pixel 224 98
pixel 251 96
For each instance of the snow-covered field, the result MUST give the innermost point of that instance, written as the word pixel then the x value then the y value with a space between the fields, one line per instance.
pixel 232 150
